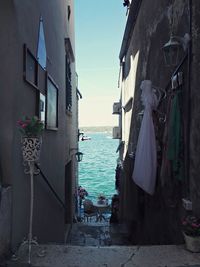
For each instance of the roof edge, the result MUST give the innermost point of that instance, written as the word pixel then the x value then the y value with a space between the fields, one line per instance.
pixel 130 25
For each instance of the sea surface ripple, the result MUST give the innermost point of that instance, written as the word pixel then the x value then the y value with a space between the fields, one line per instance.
pixel 97 170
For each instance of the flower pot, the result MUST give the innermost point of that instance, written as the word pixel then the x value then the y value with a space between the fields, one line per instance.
pixel 192 243
pixel 31 147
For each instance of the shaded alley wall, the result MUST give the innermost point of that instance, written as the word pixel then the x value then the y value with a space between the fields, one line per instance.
pixel 194 128
pixel 21 20
pixel 156 219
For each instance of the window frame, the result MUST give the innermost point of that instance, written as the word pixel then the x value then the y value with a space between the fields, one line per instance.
pixel 45 106
pixel 68 82
pixel 38 44
pixel 50 79
pixel 27 52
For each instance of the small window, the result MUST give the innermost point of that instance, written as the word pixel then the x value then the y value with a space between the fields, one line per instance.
pixel 69 58
pixel 42 108
pixel 52 104
pixel 30 68
pixel 41 50
pixel 68 85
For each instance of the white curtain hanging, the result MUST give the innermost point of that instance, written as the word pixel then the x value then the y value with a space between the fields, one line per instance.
pixel 144 173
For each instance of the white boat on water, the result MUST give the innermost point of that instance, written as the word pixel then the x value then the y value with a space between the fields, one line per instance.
pixel 85 138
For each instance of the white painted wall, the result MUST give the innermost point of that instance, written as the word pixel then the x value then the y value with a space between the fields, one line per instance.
pixel 128 90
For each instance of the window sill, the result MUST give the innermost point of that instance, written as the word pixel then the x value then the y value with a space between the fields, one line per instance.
pixel 51 128
pixel 30 83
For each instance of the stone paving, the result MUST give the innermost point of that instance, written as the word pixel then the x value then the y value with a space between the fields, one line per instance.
pixel 98 234
pixel 103 245
pixel 114 256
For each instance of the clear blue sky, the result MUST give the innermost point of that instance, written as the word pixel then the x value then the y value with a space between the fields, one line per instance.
pixel 99 28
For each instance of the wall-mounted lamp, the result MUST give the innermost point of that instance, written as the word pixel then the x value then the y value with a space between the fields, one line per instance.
pixel 79 156
pixel 172 48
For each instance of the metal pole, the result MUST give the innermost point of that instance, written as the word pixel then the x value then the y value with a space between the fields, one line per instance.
pixel 31 166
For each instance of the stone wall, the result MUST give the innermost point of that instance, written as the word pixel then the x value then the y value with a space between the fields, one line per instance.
pixel 194 152
pixel 156 219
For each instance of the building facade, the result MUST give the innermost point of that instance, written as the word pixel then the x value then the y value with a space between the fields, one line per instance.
pixel 155 219
pixel 38 77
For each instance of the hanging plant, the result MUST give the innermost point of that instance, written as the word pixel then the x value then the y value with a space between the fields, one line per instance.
pixel 31 130
pixel 30 127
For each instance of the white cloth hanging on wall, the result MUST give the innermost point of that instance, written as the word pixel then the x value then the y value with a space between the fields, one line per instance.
pixel 144 173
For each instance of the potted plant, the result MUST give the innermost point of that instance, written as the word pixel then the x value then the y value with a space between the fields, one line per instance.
pixel 101 198
pixel 31 130
pixel 191 232
pixel 82 193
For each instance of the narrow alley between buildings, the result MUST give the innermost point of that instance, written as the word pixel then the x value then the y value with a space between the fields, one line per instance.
pixel 85 181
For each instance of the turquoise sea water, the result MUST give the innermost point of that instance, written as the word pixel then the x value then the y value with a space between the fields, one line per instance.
pixel 97 170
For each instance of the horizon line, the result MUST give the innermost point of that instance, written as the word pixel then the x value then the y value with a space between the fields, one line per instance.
pixel 99 126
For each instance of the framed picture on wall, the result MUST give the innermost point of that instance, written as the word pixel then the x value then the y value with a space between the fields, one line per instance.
pixel 30 68
pixel 52 105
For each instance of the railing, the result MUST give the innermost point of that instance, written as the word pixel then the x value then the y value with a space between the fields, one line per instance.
pixel 50 187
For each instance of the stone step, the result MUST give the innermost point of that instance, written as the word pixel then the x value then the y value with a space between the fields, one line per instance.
pixel 113 256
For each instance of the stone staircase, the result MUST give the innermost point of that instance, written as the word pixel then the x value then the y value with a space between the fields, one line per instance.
pixel 103 245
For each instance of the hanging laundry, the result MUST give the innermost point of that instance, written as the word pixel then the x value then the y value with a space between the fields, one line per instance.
pixel 144 173
pixel 165 171
pixel 175 142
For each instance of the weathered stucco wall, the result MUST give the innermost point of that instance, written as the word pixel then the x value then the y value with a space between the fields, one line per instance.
pixel 195 110
pixel 18 98
pixel 5 220
pixel 154 219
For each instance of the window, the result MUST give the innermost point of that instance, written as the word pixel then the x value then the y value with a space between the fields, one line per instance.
pixel 30 68
pixel 52 104
pixel 69 58
pixel 41 50
pixel 42 108
pixel 68 85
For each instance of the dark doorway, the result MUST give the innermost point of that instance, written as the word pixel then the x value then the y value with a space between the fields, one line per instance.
pixel 68 192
